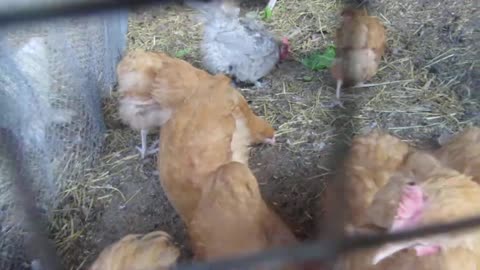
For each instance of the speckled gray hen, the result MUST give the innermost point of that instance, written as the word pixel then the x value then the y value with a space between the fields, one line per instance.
pixel 240 47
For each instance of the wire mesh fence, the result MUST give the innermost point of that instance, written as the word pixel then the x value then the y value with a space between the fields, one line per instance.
pixel 54 74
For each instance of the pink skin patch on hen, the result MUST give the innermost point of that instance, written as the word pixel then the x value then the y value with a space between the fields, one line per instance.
pixel 409 209
pixel 270 141
pixel 409 213
pixel 426 250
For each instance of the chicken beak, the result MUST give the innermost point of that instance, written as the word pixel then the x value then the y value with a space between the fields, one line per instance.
pixel 390 249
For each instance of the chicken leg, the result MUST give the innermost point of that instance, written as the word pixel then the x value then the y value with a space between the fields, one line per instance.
pixel 337 101
pixel 262 84
pixel 143 149
pixel 258 84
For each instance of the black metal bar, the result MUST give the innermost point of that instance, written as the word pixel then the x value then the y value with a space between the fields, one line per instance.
pixel 327 250
pixel 38 245
pixel 42 11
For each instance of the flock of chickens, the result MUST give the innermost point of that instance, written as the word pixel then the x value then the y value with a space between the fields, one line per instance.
pixel 206 128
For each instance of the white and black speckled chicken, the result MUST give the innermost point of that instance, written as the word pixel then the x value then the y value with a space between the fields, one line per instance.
pixel 240 47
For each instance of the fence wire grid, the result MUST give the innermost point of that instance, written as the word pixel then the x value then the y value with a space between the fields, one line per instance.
pixel 54 74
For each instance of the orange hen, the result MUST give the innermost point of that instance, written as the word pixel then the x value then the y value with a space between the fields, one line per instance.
pixel 213 127
pixel 140 74
pixel 417 167
pixel 462 153
pixel 420 191
pixel 360 45
pixel 152 251
pixel 232 219
pixel 444 196
pixel 372 160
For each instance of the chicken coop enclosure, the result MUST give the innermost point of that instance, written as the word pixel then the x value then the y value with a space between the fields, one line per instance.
pixel 58 98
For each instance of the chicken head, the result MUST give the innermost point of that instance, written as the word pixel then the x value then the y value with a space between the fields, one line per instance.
pixel 284 49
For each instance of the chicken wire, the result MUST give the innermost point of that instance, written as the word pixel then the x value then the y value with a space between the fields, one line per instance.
pixel 53 76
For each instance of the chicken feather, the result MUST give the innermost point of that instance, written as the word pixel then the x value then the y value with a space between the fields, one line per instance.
pixel 231 210
pixel 462 153
pixel 445 195
pixel 141 76
pixel 360 45
pixel 417 191
pixel 372 160
pixel 152 251
pixel 213 127
pixel 240 47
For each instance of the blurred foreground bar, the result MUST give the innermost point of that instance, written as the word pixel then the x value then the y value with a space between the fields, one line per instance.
pixel 12 11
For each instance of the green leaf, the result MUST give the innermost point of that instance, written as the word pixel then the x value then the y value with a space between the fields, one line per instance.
pixel 307 78
pixel 267 13
pixel 181 53
pixel 318 60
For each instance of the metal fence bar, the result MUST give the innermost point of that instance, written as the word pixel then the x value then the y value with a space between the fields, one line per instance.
pixel 38 11
pixel 328 250
pixel 39 247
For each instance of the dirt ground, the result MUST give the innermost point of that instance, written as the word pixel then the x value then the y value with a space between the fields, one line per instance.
pixel 428 86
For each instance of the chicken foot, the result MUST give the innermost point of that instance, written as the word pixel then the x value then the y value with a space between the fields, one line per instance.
pixel 337 101
pixel 261 84
pixel 143 148
pixel 258 84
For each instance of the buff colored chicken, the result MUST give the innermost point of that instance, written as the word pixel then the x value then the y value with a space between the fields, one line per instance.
pixel 213 127
pixel 238 46
pixel 372 160
pixel 140 75
pixel 232 219
pixel 416 168
pixel 152 251
pixel 419 191
pixel 360 45
pixel 443 197
pixel 462 153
